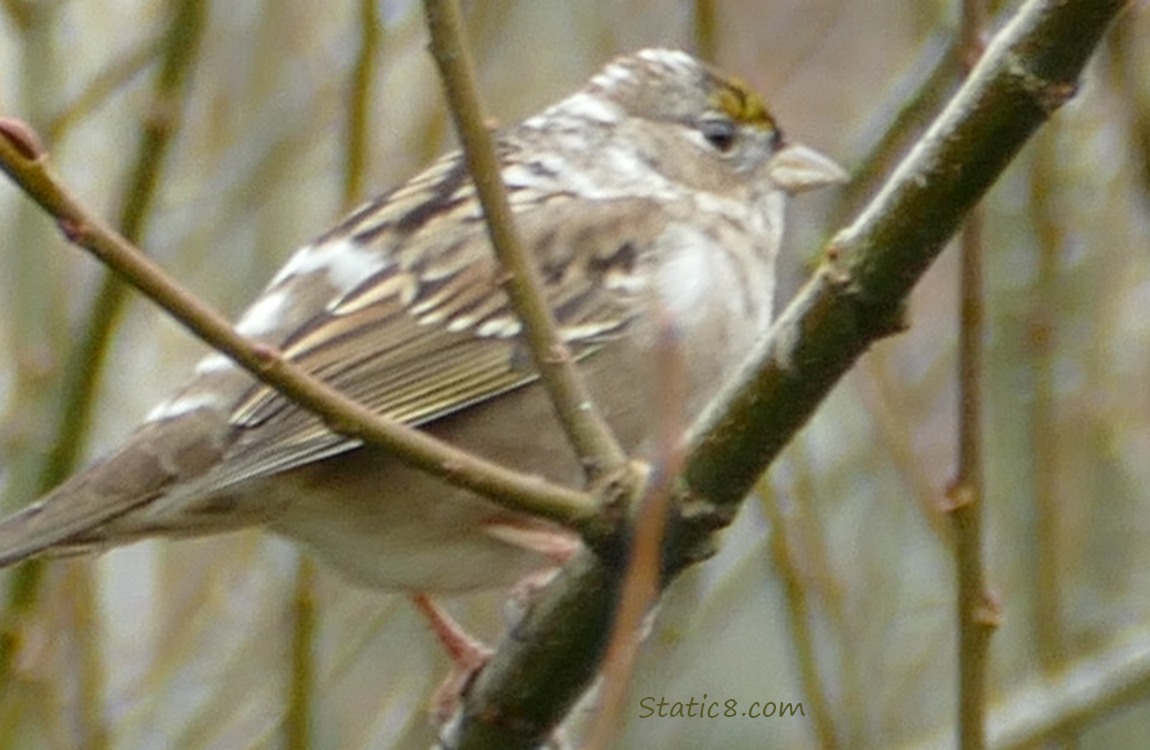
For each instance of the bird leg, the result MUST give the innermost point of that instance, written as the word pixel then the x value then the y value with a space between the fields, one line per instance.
pixel 467 655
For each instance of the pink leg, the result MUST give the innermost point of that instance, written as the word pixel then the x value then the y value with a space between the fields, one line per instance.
pixel 467 656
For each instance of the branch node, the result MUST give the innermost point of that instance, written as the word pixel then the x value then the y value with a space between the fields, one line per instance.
pixel 958 495
pixel 989 610
pixel 704 514
pixel 1048 95
pixel 23 138
pixel 74 229
pixel 267 355
pixel 616 492
pixel 834 268
pixel 560 352
pixel 973 51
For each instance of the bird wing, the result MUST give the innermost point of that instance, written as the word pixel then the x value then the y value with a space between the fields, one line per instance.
pixel 426 331
pixel 426 337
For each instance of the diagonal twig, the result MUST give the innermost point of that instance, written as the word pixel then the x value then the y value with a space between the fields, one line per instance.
pixel 588 432
pixel 27 164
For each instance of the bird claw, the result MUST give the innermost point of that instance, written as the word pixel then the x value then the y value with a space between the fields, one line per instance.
pixel 468 657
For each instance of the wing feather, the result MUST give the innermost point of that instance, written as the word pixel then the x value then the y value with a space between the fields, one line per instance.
pixel 425 338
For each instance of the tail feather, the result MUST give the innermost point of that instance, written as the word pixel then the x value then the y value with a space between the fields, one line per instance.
pixel 54 520
pixel 160 455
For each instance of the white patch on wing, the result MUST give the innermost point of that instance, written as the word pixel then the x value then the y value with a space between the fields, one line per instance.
pixel 264 316
pixel 345 263
pixel 183 404
pixel 214 363
pixel 585 331
pixel 461 323
pixel 591 107
pixel 575 111
pixel 620 280
pixel 519 175
pixel 552 163
pixel 676 60
pixel 499 327
pixel 631 173
pixel 613 75
pixel 405 286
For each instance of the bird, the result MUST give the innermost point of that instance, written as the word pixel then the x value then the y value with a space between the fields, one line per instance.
pixel 655 191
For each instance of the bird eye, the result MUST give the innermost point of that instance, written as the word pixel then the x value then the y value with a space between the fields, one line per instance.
pixel 720 133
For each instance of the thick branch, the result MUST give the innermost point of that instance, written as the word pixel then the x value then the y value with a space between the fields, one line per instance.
pixel 853 300
pixel 856 296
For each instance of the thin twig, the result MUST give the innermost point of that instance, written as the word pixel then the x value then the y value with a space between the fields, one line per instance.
pixel 301 687
pixel 84 605
pixel 914 113
pixel 1128 62
pixel 1113 680
pixel 360 98
pixel 33 304
pixel 118 73
pixel 887 408
pixel 589 434
pixel 705 25
pixel 29 168
pixel 1049 622
pixel 643 576
pixel 1046 216
pixel 85 366
pixel 791 560
pixel 301 693
pixel 976 612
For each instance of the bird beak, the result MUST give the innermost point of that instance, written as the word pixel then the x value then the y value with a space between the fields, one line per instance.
pixel 797 169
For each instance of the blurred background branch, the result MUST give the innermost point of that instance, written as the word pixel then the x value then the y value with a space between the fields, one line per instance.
pixel 193 633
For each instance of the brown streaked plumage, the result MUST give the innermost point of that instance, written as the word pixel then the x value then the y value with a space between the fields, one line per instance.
pixel 655 190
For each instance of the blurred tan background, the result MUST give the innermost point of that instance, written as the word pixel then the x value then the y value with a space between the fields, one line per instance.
pixel 188 644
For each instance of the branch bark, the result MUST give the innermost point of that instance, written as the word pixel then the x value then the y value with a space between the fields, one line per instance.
pixel 854 299
pixel 589 434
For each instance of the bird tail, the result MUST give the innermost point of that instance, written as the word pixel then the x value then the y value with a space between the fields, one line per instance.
pixel 86 509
